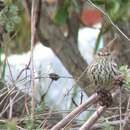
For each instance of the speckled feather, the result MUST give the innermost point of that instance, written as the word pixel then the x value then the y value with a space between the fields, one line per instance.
pixel 103 69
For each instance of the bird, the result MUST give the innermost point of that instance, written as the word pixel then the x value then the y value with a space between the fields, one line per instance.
pixel 103 69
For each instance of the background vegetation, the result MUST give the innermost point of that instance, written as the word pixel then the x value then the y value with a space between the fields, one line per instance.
pixel 57 25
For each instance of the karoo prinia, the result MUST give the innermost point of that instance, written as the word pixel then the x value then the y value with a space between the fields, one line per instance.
pixel 103 68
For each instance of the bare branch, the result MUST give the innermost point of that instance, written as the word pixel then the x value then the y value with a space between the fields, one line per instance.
pixel 76 112
pixel 34 18
pixel 93 119
pixel 127 114
pixel 91 100
pixel 96 115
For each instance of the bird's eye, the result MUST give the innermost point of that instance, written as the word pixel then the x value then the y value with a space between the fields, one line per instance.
pixel 107 54
pixel 103 53
pixel 99 53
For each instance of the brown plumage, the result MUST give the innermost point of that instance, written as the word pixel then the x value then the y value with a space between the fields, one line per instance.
pixel 103 68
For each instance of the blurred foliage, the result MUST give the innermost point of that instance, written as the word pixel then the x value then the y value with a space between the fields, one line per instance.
pixel 116 9
pixel 23 30
pixel 108 126
pixel 9 17
pixel 13 19
pixel 64 11
pixel 11 125
pixel 125 73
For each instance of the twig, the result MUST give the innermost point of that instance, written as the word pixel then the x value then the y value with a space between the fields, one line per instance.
pixel 115 116
pixel 8 104
pixel 127 114
pixel 9 92
pixel 11 75
pixel 20 128
pixel 93 118
pixel 120 101
pixel 34 15
pixel 107 16
pixel 76 112
pixel 10 107
pixel 24 69
pixel 96 115
pixel 78 79
pixel 91 100
pixel 26 106
pixel 43 96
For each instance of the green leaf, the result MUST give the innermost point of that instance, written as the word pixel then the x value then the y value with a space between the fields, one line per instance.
pixel 9 17
pixel 13 9
pixel 125 73
pixel 61 16
pixel 16 19
pixel 62 13
pixel 97 42
pixel 9 27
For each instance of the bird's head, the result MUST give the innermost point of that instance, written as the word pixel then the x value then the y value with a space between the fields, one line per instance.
pixel 103 54
pixel 108 51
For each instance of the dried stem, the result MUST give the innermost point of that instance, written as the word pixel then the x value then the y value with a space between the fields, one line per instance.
pixel 120 110
pixel 127 114
pixel 76 112
pixel 93 118
pixel 93 99
pixel 34 16
pixel 90 122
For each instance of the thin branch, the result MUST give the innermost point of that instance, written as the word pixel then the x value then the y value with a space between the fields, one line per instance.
pixel 107 16
pixel 127 114
pixel 120 111
pixel 10 108
pixel 5 109
pixel 9 92
pixel 89 123
pixel 43 96
pixel 93 118
pixel 20 128
pixel 76 112
pixel 24 69
pixel 34 17
pixel 79 78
